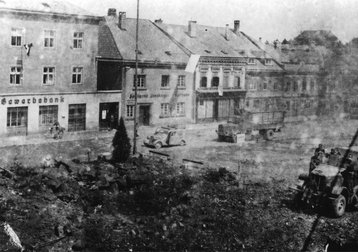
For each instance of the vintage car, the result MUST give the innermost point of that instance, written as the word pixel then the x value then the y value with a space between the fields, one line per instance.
pixel 165 136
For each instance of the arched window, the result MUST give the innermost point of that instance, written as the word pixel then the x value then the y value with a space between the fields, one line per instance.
pixel 203 82
pixel 215 81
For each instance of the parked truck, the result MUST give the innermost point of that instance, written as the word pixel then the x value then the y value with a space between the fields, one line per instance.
pixel 251 123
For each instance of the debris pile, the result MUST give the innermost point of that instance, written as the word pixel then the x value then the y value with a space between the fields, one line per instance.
pixel 147 204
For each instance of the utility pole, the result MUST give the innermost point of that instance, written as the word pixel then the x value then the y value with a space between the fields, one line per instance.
pixel 136 84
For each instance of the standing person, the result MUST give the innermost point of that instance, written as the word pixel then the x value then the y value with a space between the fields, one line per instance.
pixel 320 149
pixel 112 122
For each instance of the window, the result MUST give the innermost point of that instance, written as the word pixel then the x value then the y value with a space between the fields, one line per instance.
pixel 76 117
pixel 180 108
pixel 313 83
pixel 237 82
pixel 141 81
pixel 252 85
pixel 77 40
pixel 48 77
pixel 268 62
pixel 49 38
pixel 16 36
pixel 215 81
pixel 164 109
pixel 288 105
pixel 304 85
pixel 265 86
pixel 77 75
pixel 165 81
pixel 288 86
pixel 251 61
pixel 48 115
pixel 248 103
pixel 181 81
pixel 256 103
pixel 203 82
pixel 130 111
pixel 17 117
pixel 295 86
pixel 15 75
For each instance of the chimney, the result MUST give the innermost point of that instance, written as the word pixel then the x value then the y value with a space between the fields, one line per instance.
pixel 227 32
pixel 236 26
pixel 192 29
pixel 112 12
pixel 122 20
pixel 158 21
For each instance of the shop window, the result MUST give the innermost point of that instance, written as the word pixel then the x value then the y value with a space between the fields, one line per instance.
pixel 141 81
pixel 77 75
pixel 77 117
pixel 77 40
pixel 49 38
pixel 130 111
pixel 181 81
pixel 16 36
pixel 165 81
pixel 17 117
pixel 180 109
pixel 48 115
pixel 215 81
pixel 203 82
pixel 164 110
pixel 48 77
pixel 15 75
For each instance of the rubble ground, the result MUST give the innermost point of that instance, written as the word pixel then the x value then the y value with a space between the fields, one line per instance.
pixel 150 204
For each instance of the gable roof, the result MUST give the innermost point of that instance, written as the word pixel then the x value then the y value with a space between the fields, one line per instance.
pixel 153 44
pixel 44 6
pixel 220 42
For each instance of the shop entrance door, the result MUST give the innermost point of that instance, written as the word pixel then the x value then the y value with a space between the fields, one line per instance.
pixel 108 115
pixel 144 114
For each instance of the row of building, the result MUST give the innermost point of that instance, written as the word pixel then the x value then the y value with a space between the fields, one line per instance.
pixel 61 63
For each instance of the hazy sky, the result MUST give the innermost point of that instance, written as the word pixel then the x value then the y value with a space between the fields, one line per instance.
pixel 269 19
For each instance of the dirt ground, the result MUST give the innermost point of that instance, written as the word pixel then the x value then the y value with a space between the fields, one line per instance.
pixel 245 207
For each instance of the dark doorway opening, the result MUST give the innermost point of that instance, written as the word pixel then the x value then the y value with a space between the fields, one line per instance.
pixel 108 115
pixel 144 115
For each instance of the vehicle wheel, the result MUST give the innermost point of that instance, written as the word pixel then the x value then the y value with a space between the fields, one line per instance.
pixel 339 206
pixel 182 143
pixel 269 134
pixel 158 145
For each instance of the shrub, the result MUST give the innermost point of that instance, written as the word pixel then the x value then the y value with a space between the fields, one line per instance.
pixel 121 144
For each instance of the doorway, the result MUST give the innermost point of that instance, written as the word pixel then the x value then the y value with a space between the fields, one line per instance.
pixel 144 115
pixel 108 115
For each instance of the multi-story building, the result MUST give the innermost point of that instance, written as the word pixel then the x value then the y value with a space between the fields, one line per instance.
pixel 232 72
pixel 48 69
pixel 164 88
